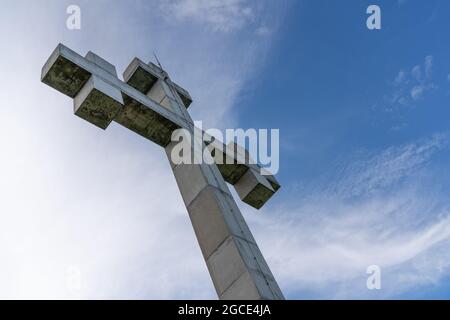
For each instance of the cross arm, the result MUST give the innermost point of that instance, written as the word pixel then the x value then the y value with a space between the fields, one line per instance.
pixel 93 84
pixel 100 98
pixel 254 185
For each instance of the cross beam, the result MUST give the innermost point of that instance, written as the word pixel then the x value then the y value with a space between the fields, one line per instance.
pixel 151 105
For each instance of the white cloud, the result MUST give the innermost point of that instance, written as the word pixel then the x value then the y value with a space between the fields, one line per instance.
pixel 382 209
pixel 214 63
pixel 408 87
pixel 263 31
pixel 377 171
pixel 401 78
pixel 416 72
pixel 71 195
pixel 417 92
pixel 220 15
pixel 428 66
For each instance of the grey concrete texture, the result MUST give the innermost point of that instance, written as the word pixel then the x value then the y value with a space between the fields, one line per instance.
pixel 102 63
pixel 238 273
pixel 227 244
pixel 98 102
pixel 237 267
pixel 142 77
pixel 254 189
pixel 68 72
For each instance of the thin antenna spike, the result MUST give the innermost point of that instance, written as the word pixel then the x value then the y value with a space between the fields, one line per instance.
pixel 157 60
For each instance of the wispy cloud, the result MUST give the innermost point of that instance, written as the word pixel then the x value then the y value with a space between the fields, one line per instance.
pixel 410 86
pixel 383 209
pixel 219 15
pixel 367 174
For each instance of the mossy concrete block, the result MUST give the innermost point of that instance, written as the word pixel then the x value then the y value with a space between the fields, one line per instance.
pixel 98 102
pixel 254 189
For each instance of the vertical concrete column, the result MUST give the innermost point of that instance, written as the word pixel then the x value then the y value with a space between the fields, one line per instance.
pixel 235 263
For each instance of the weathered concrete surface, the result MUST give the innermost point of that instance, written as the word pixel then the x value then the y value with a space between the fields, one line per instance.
pixel 254 189
pixel 63 74
pixel 234 261
pixel 68 72
pixel 238 169
pixel 236 265
pixel 102 63
pixel 142 77
pixel 230 168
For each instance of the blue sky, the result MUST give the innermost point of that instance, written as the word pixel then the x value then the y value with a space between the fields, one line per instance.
pixel 363 119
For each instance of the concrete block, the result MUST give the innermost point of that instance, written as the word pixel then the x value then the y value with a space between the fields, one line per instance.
pixel 146 122
pixel 142 77
pixel 229 168
pixel 232 172
pixel 169 103
pixel 233 162
pixel 236 273
pixel 168 149
pixel 265 287
pixel 156 92
pixel 226 265
pixel 268 288
pixel 242 289
pixel 257 265
pixel 102 63
pixel 248 252
pixel 98 102
pixel 190 185
pixel 191 181
pixel 139 77
pixel 212 219
pixel 67 72
pixel 162 94
pixel 186 173
pixel 64 74
pixel 236 219
pixel 254 189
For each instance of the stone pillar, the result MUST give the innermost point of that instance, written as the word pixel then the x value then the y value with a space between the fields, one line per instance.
pixel 235 263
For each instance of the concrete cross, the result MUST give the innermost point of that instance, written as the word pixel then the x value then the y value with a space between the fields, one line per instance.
pixel 151 105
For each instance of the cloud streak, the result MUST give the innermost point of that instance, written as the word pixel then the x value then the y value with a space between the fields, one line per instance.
pixel 384 209
pixel 410 86
pixel 219 15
